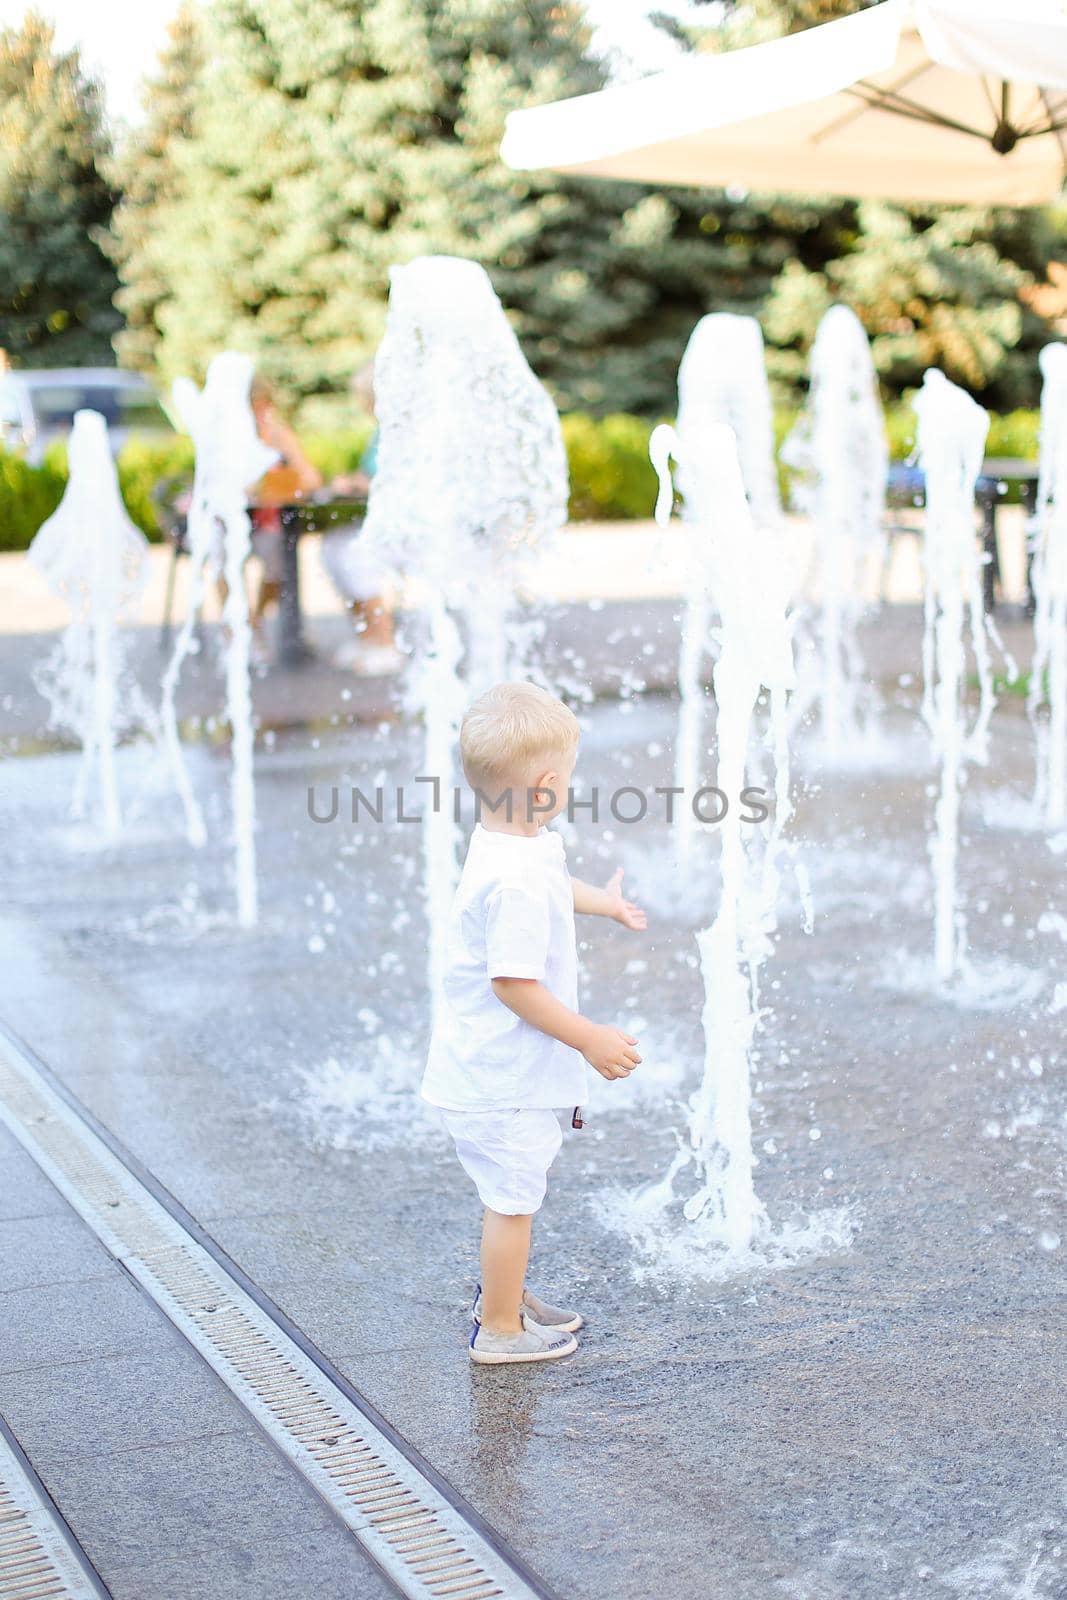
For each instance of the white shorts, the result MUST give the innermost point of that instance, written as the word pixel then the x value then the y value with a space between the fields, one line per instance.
pixel 507 1154
pixel 354 571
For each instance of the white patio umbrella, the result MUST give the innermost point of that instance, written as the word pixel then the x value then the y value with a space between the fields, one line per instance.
pixel 950 100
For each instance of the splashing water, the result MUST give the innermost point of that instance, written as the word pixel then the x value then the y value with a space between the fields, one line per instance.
pixel 839 450
pixel 471 481
pixel 722 379
pixel 1048 677
pixel 93 557
pixel 230 458
pixel 749 581
pixel 951 441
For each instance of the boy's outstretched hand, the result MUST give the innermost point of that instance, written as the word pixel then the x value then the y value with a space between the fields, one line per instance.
pixel 611 1052
pixel 623 910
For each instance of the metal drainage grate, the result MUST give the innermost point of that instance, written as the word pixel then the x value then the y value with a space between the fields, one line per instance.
pixel 38 1557
pixel 421 1540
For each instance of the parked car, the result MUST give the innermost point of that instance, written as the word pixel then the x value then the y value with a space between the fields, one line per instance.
pixel 37 406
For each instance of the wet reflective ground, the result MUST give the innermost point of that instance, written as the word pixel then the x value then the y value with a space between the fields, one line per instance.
pixel 887 1420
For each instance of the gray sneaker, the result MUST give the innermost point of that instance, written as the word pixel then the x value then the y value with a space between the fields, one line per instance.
pixel 534 1343
pixel 548 1316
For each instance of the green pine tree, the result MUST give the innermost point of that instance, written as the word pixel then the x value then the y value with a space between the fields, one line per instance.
pixel 736 23
pixel 145 172
pixel 752 20
pixel 930 289
pixel 335 137
pixel 56 283
pixel 942 286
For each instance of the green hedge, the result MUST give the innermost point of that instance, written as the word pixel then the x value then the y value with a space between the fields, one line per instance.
pixel 149 470
pixel 337 453
pixel 611 478
pixel 28 495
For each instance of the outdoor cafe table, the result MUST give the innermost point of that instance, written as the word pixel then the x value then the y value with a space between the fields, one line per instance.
pixel 297 518
pixel 907 487
pixel 305 516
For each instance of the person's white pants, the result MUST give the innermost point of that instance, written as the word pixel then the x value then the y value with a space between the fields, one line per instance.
pixel 355 573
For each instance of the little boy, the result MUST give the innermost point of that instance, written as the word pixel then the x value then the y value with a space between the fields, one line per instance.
pixel 508 1050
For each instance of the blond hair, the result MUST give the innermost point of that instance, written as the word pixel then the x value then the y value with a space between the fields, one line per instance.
pixel 511 732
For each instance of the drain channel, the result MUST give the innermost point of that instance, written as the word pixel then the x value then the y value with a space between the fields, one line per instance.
pixel 427 1545
pixel 39 1558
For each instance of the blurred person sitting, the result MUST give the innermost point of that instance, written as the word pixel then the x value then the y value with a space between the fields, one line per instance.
pixel 359 577
pixel 291 479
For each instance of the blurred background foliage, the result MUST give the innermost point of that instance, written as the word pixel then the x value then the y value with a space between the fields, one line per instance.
pixel 610 474
pixel 292 150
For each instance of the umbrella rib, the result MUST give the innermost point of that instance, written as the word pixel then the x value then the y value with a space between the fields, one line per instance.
pixel 850 116
pixel 898 105
pixel 1056 128
pixel 1040 133
pixel 989 97
pixel 1045 118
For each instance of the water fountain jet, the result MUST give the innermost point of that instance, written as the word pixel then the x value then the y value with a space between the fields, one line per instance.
pixel 1048 676
pixel 838 449
pixel 471 480
pixel 722 379
pixel 93 556
pixel 950 447
pixel 230 458
pixel 748 579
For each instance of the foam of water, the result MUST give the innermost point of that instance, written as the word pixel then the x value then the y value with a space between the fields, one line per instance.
pixel 1048 678
pixel 1009 810
pixel 93 556
pixel 1019 1563
pixel 471 482
pixel 177 923
pixel 1053 922
pixel 848 877
pixel 369 1101
pixel 671 1247
pixel 839 451
pixel 870 750
pixel 974 986
pixel 1017 1566
pixel 230 458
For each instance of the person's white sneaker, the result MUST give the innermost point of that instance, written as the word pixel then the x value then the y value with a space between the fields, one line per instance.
pixel 370 660
pixel 541 1312
pixel 346 656
pixel 534 1343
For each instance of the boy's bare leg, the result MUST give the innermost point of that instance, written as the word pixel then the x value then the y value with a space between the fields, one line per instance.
pixel 505 1252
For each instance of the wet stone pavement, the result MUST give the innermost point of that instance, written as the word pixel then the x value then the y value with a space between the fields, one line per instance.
pixel 883 1420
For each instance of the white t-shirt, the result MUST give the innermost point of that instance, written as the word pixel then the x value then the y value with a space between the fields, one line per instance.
pixel 513 917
